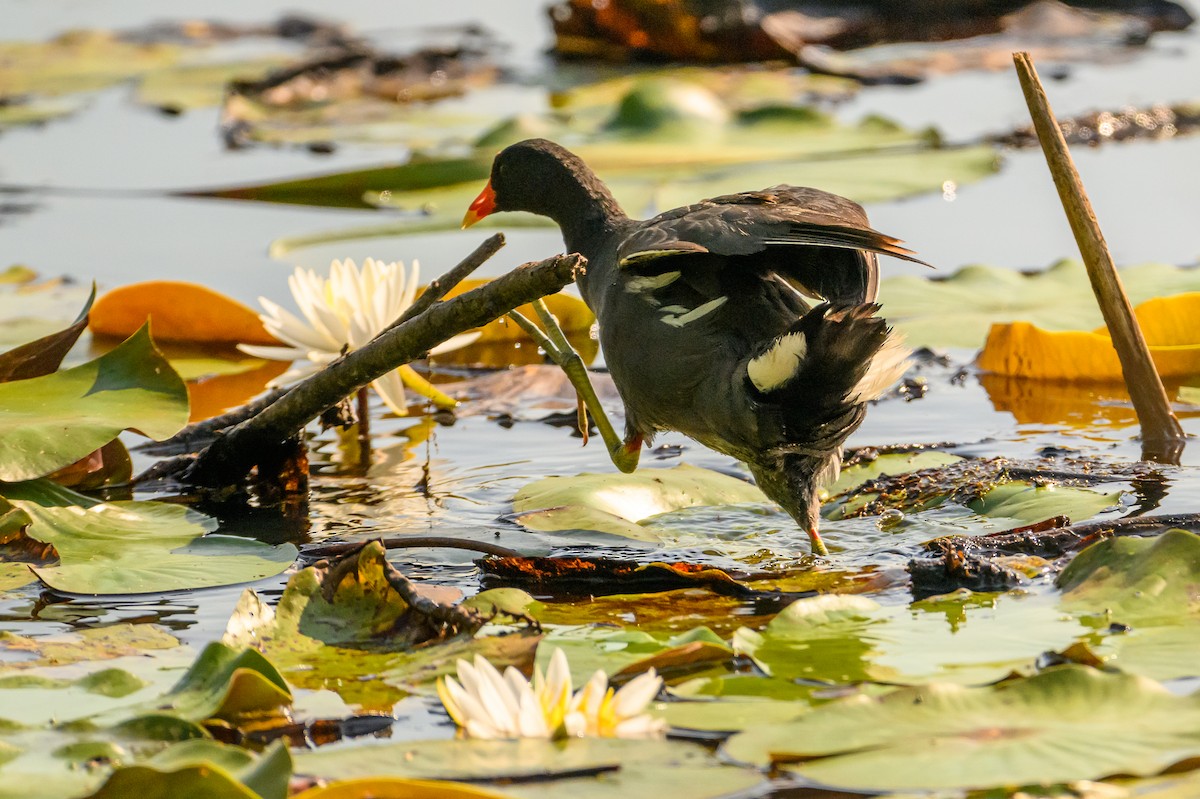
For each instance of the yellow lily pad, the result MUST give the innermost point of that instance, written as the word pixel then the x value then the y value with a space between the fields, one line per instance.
pixel 1169 324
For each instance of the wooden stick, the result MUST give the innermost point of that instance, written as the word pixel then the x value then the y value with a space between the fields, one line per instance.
pixel 229 458
pixel 1162 436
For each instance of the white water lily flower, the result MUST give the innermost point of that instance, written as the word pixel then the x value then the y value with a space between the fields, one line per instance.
pixel 344 312
pixel 488 705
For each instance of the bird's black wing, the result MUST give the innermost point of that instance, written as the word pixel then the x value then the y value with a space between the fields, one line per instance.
pixel 751 223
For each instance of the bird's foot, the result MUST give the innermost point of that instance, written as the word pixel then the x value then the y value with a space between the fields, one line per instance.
pixel 624 454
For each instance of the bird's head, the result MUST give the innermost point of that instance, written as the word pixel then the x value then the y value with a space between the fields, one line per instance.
pixel 794 481
pixel 540 177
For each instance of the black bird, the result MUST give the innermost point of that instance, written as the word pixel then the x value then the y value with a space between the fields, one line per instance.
pixel 746 321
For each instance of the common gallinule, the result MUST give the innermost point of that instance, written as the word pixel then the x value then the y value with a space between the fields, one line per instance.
pixel 746 322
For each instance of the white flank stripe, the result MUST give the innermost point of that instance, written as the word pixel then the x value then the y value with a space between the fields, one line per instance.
pixel 695 313
pixel 888 365
pixel 779 364
pixel 637 285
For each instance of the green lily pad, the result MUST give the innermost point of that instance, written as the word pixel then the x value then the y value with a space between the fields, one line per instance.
pixel 594 648
pixel 1169 652
pixel 1068 723
pixel 964 638
pixel 633 769
pixel 49 422
pixel 226 682
pixel 957 311
pixel 137 547
pixel 1136 580
pixel 616 503
pixel 204 769
pixel 727 715
pixel 30 111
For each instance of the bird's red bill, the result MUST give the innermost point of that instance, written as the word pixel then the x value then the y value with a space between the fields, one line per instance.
pixel 484 204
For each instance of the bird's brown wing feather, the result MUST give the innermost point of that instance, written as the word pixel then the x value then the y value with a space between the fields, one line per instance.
pixel 748 223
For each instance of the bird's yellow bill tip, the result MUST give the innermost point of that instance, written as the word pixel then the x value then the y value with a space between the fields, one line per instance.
pixel 484 204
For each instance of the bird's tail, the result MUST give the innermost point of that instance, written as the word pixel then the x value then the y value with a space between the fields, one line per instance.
pixel 819 375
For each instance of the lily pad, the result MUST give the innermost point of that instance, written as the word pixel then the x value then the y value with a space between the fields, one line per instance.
pixel 618 503
pixel 373 787
pixel 958 311
pixel 1068 723
pixel 634 769
pixel 130 387
pixel 1136 580
pixel 77 61
pixel 137 547
pixel 963 638
pixel 631 651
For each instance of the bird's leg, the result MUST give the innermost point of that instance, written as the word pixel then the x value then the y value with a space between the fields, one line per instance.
pixel 818 545
pixel 624 453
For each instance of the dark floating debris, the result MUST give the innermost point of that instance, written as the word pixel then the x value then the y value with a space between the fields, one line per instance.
pixel 1096 128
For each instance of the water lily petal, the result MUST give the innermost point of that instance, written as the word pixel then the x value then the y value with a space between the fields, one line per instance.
pixel 636 694
pixel 273 353
pixel 643 726
pixel 455 343
pixel 290 329
pixel 495 695
pixel 390 389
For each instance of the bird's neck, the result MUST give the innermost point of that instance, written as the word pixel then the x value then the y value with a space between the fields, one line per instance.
pixel 588 216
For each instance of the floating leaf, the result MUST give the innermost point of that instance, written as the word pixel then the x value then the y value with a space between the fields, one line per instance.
pixel 889 463
pixel 617 503
pixel 1168 325
pixel 634 769
pixel 77 61
pixel 130 387
pixel 203 769
pixel 965 638
pixel 225 682
pixel 1136 580
pixel 185 312
pixel 630 651
pixel 88 644
pixel 957 311
pixel 378 787
pixel 138 547
pixel 191 86
pixel 1068 723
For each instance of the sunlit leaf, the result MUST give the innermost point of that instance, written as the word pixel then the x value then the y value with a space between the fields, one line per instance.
pixel 130 387
pixel 178 312
pixel 1068 723
pixel 617 503
pixel 137 546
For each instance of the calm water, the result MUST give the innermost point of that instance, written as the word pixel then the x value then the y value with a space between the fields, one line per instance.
pixel 95 184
